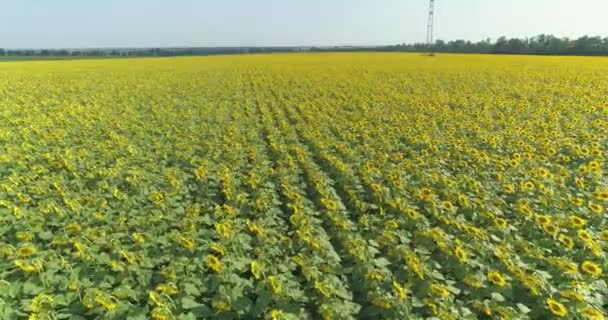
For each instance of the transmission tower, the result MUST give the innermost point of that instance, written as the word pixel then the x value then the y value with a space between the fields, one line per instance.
pixel 429 28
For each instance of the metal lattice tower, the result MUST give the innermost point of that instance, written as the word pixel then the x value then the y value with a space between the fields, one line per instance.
pixel 429 28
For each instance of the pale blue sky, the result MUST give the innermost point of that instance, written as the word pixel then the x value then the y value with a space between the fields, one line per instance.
pixel 144 23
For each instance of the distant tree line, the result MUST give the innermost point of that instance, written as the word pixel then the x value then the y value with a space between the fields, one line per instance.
pixel 541 44
pixel 146 52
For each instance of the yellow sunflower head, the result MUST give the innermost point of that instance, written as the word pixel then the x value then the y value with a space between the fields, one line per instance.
pixel 584 235
pixel 595 208
pixel 566 241
pixel 496 278
pixel 577 222
pixel 214 263
pixel 461 255
pixel 591 313
pixel 543 219
pixel 600 195
pixel 556 308
pixel 26 251
pixel 411 213
pixel 500 223
pixel 591 268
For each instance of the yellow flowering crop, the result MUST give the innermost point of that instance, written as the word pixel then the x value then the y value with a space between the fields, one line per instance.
pixel 302 186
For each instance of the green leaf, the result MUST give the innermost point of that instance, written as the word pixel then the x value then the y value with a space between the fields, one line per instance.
pixel 191 289
pixel 14 290
pixel 6 312
pixel 186 316
pixel 454 290
pixel 138 313
pixel 382 262
pixel 103 258
pixel 417 303
pixel 497 297
pixel 190 303
pixel 437 275
pixel 31 288
pixel 45 235
pixel 523 308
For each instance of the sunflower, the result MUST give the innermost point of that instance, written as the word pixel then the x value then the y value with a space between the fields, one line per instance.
pixel 604 235
pixel 276 314
pixel 375 275
pixel 28 267
pixel 528 186
pixel 461 255
pixel 440 290
pixel 566 241
pixel 214 263
pixel 275 284
pixel 591 268
pixel 472 282
pixel 543 219
pixel 594 165
pixel 219 305
pixel 160 314
pixel 400 291
pixel 156 299
pixel 500 223
pixel 595 208
pixel 411 213
pixel 217 248
pixel 550 229
pixel 138 237
pixel 600 195
pixel 41 302
pixel 569 267
pixel 391 224
pixel 187 243
pixel 584 235
pixel 571 295
pixel 426 193
pixel 24 235
pixel 106 303
pixel 463 201
pixel 448 205
pixel 575 200
pixel 577 222
pixel 73 228
pixel 167 288
pixel 376 188
pixel 591 313
pixel 116 266
pixel 582 170
pixel 329 204
pixel 557 308
pixel 496 278
pixel 26 251
pixel 413 264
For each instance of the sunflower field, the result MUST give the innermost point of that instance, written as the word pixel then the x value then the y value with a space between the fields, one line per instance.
pixel 304 186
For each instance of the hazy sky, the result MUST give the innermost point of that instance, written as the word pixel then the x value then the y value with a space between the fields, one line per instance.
pixel 144 23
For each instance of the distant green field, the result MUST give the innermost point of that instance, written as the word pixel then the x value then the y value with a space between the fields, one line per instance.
pixel 46 58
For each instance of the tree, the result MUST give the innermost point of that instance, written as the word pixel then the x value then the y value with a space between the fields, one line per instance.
pixel 501 45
